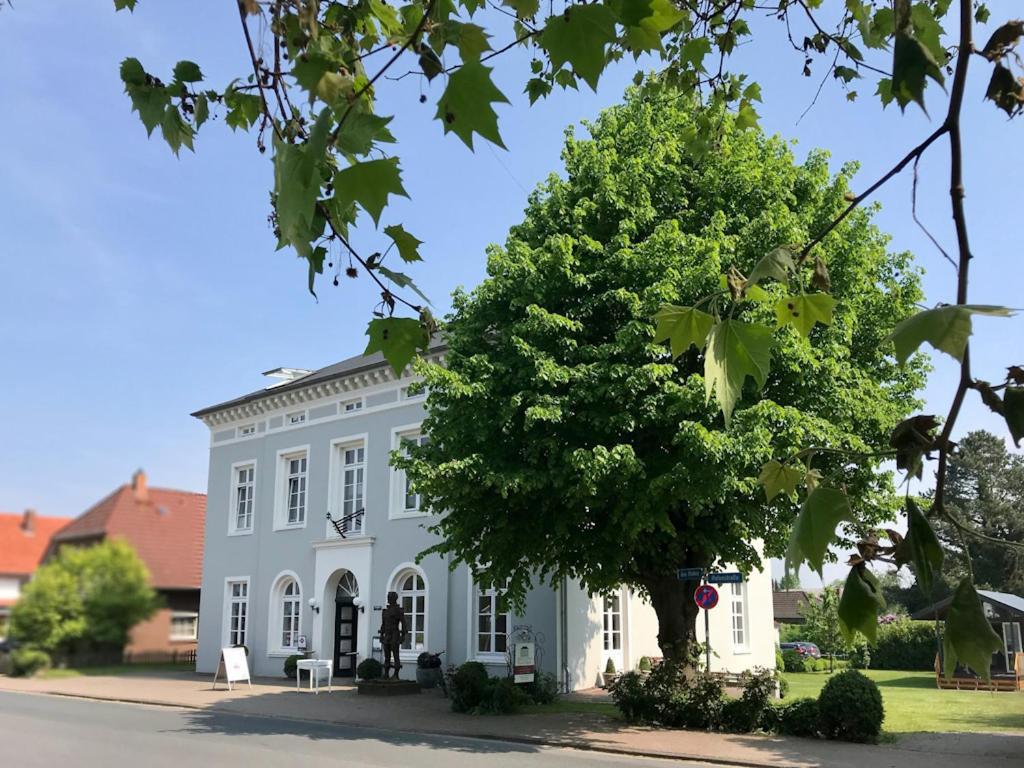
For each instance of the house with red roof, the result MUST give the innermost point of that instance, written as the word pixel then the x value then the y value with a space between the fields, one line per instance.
pixel 24 540
pixel 165 527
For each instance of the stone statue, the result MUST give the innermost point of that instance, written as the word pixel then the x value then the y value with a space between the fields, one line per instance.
pixel 392 634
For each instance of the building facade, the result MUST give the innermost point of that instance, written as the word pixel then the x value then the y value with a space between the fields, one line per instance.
pixel 23 541
pixel 165 528
pixel 279 574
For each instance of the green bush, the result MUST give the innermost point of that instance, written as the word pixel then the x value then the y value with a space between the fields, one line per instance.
pixel 5 664
pixel 631 697
pixel 748 712
pixel 860 657
pixel 26 662
pixel 369 669
pixel 820 665
pixel 793 661
pixel 906 645
pixel 543 689
pixel 500 696
pixel 798 717
pixel 851 708
pixel 783 686
pixel 468 686
pixel 701 706
pixel 780 663
pixel 609 668
pixel 291 665
pixel 645 664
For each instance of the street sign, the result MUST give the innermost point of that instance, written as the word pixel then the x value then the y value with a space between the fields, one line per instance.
pixel 706 596
pixel 524 663
pixel 690 574
pixel 731 577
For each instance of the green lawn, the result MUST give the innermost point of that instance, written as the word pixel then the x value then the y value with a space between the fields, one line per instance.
pixel 117 669
pixel 913 703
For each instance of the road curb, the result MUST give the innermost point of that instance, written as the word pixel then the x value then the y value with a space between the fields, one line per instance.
pixel 582 746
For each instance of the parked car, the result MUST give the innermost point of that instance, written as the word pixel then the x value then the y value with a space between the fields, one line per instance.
pixel 804 649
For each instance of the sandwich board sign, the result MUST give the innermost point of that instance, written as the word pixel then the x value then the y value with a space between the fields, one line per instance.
pixel 523 662
pixel 235 666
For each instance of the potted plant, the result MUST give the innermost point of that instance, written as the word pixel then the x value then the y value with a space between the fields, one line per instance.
pixel 428 669
pixel 290 665
pixel 610 675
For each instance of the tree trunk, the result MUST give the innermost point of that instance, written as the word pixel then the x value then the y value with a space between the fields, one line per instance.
pixel 677 613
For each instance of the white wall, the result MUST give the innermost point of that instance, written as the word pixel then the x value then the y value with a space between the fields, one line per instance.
pixel 10 587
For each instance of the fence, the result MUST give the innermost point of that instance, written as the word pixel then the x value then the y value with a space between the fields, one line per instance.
pixel 183 657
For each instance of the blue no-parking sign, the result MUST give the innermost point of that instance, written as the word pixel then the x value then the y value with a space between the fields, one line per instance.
pixel 706 596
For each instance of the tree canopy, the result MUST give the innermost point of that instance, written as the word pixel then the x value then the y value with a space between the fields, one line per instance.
pixel 566 441
pixel 85 598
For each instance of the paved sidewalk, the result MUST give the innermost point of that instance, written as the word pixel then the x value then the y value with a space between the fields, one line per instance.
pixel 429 713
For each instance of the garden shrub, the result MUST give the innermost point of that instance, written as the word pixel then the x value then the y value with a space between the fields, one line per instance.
pixel 820 665
pixel 5 664
pixel 851 708
pixel 543 689
pixel 735 717
pixel 783 686
pixel 26 662
pixel 369 669
pixel 609 668
pixel 631 697
pixel 906 645
pixel 798 717
pixel 291 665
pixel 780 663
pixel 468 686
pixel 702 704
pixel 645 664
pixel 500 696
pixel 860 656
pixel 747 713
pixel 810 665
pixel 792 661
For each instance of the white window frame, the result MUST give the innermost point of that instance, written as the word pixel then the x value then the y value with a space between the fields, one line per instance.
pixel 396 508
pixel 233 529
pixel 608 631
pixel 247 430
pixel 351 405
pixel 281 492
pixel 336 481
pixel 403 393
pixel 275 626
pixel 739 600
pixel 295 418
pixel 399 575
pixel 492 595
pixel 195 626
pixel 229 603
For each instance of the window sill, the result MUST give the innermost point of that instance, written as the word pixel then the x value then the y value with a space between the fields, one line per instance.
pixel 246 532
pixel 405 515
pixel 741 651
pixel 290 526
pixel 491 658
pixel 283 654
pixel 182 639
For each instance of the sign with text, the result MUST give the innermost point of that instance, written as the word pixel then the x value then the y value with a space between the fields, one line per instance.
pixel 729 577
pixel 706 596
pixel 690 574
pixel 235 666
pixel 302 643
pixel 523 662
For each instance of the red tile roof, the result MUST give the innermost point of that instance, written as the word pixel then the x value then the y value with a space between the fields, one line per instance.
pixel 164 526
pixel 22 545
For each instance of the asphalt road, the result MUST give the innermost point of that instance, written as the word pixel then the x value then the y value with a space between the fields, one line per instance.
pixel 56 732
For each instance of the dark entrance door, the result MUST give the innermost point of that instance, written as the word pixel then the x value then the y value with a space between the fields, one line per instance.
pixel 346 623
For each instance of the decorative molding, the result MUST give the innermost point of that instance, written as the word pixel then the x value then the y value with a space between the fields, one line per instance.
pixel 321 390
pixel 351 541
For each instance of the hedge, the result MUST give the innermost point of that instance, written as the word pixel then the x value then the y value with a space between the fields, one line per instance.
pixel 905 645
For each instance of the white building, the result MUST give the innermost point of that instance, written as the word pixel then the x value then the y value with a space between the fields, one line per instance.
pixel 276 570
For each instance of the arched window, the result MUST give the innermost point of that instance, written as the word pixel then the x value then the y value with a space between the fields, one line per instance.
pixel 286 613
pixel 412 596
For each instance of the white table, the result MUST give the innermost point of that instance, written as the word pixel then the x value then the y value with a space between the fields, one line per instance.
pixel 313 666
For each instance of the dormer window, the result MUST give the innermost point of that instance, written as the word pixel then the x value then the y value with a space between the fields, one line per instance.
pixel 299 417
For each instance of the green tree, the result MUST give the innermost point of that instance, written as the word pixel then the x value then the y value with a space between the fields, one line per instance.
pixel 986 491
pixel 86 598
pixel 821 623
pixel 567 443
pixel 789 580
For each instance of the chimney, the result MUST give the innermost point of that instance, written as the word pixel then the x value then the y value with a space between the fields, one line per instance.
pixel 139 485
pixel 28 522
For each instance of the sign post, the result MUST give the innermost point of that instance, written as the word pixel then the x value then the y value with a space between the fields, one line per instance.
pixel 523 662
pixel 706 597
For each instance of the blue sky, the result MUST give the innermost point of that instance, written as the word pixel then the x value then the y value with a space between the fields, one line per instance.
pixel 137 287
